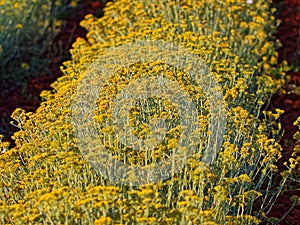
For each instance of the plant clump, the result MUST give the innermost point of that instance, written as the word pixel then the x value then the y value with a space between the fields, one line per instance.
pixel 47 177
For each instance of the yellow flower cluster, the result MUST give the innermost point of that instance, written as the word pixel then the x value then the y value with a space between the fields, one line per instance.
pixel 294 161
pixel 46 180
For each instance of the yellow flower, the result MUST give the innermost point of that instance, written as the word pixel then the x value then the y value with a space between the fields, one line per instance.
pixel 25 66
pixel 45 7
pixel 19 26
pixel 103 221
pixel 58 3
pixel 146 193
pixel 58 23
pixel 184 204
pixel 73 4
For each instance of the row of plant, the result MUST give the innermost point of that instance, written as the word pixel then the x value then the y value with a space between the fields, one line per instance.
pixel 296 154
pixel 50 177
pixel 28 29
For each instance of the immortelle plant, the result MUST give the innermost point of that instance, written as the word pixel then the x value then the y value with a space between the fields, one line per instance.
pixel 101 112
pixel 294 162
pixel 27 31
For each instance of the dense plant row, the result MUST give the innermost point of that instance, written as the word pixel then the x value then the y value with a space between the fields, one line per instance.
pixel 27 31
pixel 45 178
pixel 294 163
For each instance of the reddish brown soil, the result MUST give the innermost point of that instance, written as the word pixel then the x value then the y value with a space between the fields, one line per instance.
pixel 288 33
